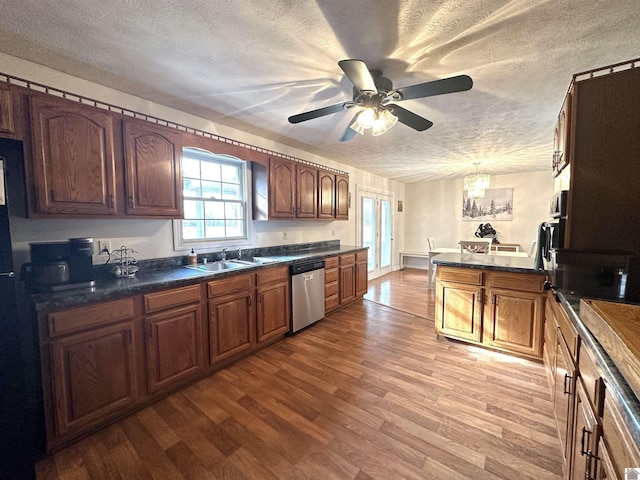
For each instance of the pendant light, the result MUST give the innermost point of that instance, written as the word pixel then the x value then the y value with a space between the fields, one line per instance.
pixel 475 185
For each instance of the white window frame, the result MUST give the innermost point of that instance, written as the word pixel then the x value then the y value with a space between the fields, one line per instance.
pixel 182 244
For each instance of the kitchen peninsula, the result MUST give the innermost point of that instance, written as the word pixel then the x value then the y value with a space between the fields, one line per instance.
pixel 496 301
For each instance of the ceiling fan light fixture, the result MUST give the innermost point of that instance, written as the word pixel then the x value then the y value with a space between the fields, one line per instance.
pixel 365 120
pixel 476 184
pixel 383 122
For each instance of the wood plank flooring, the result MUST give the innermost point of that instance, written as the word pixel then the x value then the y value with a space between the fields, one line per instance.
pixel 367 393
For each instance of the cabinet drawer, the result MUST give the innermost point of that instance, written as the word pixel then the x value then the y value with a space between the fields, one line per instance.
pixel 229 285
pixel 348 259
pixel 568 330
pixel 591 379
pixel 623 450
pixel 331 302
pixel 361 256
pixel 171 298
pixel 512 281
pixel 331 262
pixel 80 318
pixel 330 289
pixel 460 275
pixel 330 275
pixel 271 275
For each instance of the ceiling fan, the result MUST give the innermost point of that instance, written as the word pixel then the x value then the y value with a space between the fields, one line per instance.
pixel 379 99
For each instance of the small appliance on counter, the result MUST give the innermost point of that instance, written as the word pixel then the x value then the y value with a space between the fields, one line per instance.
pixel 57 266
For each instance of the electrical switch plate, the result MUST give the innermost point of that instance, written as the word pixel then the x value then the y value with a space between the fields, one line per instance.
pixel 104 247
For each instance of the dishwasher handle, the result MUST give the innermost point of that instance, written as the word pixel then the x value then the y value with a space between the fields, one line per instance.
pixel 299 268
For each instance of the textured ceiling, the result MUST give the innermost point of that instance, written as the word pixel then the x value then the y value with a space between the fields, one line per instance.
pixel 250 64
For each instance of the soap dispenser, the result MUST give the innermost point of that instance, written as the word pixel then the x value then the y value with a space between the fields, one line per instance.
pixel 193 258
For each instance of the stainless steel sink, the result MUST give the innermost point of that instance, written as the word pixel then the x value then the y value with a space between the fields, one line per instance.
pixel 219 266
pixel 256 261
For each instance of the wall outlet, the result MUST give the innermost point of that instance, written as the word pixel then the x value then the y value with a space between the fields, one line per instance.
pixel 104 247
pixel 284 235
pixel 333 232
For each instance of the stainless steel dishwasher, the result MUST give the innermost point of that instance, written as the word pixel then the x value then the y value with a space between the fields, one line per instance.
pixel 307 293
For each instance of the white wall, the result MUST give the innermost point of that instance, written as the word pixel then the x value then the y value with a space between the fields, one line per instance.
pixel 434 209
pixel 153 238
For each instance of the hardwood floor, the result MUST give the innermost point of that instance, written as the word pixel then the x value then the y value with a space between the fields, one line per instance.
pixel 367 393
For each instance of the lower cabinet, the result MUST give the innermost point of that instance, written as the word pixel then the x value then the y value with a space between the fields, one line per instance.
pixel 586 431
pixel 272 303
pixel 362 273
pixel 501 310
pixel 231 316
pixel 173 328
pixel 89 367
pixel 331 283
pixel 346 279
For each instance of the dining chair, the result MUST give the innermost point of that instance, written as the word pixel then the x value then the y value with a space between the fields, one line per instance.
pixel 475 246
pixel 431 243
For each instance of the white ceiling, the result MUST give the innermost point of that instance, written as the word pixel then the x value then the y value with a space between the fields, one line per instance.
pixel 250 64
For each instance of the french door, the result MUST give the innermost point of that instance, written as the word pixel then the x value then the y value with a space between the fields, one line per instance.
pixel 375 229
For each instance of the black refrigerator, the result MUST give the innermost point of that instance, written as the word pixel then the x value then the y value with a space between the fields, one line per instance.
pixel 16 428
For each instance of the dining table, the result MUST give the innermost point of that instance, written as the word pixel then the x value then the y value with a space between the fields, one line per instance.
pixel 437 251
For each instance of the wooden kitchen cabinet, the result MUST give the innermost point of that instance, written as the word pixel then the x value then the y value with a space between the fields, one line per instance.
pixel 560 138
pixel 342 197
pixel 326 195
pixel 500 310
pixel 73 164
pixel 331 283
pixel 306 191
pixel 362 273
pixel 282 188
pixel 347 278
pixel 231 316
pixel 89 366
pixel 563 398
pixel 272 303
pixel 174 331
pixel 586 431
pixel 7 125
pixel 153 174
pixel 459 297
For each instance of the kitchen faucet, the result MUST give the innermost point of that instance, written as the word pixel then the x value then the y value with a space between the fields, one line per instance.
pixel 223 254
pixel 239 252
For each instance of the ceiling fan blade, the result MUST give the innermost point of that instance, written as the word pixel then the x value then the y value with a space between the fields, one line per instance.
pixel 358 73
pixel 429 89
pixel 409 118
pixel 349 133
pixel 320 112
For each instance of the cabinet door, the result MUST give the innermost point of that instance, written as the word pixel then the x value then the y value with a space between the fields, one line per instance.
pixel 342 197
pixel 605 467
pixel 152 165
pixel 326 195
pixel 6 110
pixel 459 311
pixel 94 376
pixel 272 311
pixel 549 346
pixel 362 279
pixel 306 192
pixel 281 188
pixel 73 158
pixel 514 321
pixel 560 140
pixel 347 284
pixel 174 346
pixel 564 393
pixel 231 325
pixel 585 437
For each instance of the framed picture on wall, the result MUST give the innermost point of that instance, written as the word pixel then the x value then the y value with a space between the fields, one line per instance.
pixel 497 204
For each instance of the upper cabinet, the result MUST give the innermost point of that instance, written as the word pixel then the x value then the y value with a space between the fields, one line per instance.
pixel 290 190
pixel 560 140
pixel 152 155
pixel 6 110
pixel 72 164
pixel 87 161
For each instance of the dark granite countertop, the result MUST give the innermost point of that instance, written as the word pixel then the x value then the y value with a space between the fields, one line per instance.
pixel 624 398
pixel 522 264
pixel 156 278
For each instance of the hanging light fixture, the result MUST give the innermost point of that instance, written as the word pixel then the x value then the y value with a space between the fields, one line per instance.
pixel 379 120
pixel 475 185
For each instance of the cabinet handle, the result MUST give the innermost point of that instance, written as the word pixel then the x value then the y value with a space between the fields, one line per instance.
pixel 564 386
pixel 249 300
pixel 131 201
pixel 587 467
pixel 110 200
pixel 585 432
pixel 493 299
pixel 479 295
pixel 259 298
